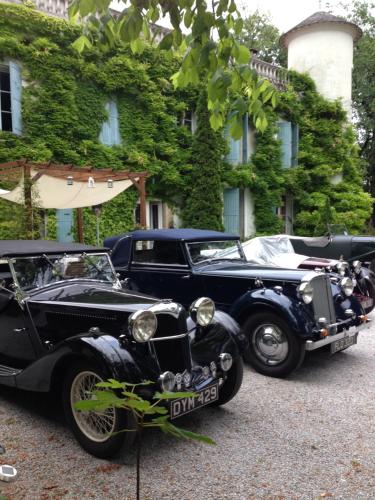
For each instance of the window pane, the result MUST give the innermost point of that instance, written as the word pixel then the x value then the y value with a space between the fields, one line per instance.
pixel 4 80
pixel 5 101
pixel 6 121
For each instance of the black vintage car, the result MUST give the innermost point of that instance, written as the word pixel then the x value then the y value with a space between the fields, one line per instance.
pixel 335 246
pixel 66 324
pixel 283 312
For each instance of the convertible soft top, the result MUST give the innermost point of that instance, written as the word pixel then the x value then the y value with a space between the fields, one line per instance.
pixel 172 235
pixel 121 244
pixel 16 248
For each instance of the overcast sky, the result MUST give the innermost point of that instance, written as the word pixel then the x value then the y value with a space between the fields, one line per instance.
pixel 285 14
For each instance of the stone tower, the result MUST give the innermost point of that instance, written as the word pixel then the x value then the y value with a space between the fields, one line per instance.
pixel 322 46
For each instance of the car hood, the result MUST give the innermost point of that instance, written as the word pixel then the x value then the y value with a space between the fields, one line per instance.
pixel 247 270
pixel 90 295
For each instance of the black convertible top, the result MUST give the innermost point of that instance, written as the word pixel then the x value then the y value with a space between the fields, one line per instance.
pixel 17 248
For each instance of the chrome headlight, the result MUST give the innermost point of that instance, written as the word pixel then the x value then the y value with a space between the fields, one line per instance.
pixel 357 266
pixel 306 291
pixel 167 381
pixel 202 311
pixel 341 267
pixel 142 325
pixel 226 361
pixel 347 286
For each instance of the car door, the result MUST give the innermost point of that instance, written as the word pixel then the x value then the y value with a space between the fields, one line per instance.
pixel 161 269
pixel 16 348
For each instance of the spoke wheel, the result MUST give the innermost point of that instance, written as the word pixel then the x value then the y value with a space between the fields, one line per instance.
pixel 98 432
pixel 96 425
pixel 274 349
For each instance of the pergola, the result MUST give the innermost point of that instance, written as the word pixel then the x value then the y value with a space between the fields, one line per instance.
pixel 60 186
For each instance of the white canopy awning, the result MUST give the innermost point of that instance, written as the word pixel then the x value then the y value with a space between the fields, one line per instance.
pixel 53 192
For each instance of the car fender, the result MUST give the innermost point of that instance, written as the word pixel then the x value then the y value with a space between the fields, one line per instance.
pixel 289 309
pixel 222 335
pixel 104 350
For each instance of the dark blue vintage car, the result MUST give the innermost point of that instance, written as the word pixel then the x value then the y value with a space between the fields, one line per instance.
pixel 66 324
pixel 283 312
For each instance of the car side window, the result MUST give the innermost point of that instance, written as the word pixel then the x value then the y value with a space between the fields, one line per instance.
pixel 158 252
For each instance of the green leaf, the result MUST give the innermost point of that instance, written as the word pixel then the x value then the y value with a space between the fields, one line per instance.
pixel 167 42
pixel 244 55
pixel 188 18
pixel 81 44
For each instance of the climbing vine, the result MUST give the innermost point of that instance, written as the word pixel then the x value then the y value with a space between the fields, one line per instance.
pixel 63 109
pixel 327 184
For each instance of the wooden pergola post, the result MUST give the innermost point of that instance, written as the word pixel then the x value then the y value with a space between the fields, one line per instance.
pixel 80 225
pixel 27 186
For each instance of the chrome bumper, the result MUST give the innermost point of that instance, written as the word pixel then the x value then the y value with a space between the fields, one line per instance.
pixel 311 345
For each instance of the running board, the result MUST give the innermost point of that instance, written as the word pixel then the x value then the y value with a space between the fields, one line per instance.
pixel 8 375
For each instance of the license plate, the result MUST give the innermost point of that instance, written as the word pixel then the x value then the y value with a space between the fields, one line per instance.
pixel 341 344
pixel 203 397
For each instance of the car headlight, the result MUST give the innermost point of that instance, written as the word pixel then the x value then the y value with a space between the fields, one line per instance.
pixel 341 268
pixel 347 286
pixel 226 361
pixel 202 311
pixel 167 381
pixel 357 266
pixel 306 291
pixel 142 325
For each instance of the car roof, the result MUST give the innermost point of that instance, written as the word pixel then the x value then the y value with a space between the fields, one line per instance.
pixel 16 248
pixel 172 235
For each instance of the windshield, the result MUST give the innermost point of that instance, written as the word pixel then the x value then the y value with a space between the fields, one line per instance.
pixel 214 250
pixel 36 272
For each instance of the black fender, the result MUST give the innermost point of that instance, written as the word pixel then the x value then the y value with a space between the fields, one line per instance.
pixel 104 350
pixel 292 311
pixel 222 335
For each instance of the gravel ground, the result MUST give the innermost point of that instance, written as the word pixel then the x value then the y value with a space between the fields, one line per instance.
pixel 308 437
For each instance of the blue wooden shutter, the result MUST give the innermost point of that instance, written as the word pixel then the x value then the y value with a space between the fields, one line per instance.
pixel 232 210
pixel 15 75
pixel 245 139
pixel 285 135
pixel 64 225
pixel 110 133
pixel 295 144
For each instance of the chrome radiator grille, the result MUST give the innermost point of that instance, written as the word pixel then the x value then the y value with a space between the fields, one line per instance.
pixel 323 301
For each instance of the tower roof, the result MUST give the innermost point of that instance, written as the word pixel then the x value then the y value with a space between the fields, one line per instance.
pixel 321 18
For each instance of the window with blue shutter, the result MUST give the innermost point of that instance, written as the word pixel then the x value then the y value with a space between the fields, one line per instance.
pixel 246 140
pixel 232 222
pixel 295 144
pixel 15 73
pixel 110 133
pixel 235 148
pixel 285 136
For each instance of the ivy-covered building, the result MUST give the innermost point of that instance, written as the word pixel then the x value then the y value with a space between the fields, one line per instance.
pixel 120 111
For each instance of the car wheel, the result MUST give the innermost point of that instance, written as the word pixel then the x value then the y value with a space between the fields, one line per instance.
pixel 274 349
pixel 371 294
pixel 98 432
pixel 232 383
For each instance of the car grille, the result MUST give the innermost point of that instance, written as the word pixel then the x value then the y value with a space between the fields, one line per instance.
pixel 323 301
pixel 173 354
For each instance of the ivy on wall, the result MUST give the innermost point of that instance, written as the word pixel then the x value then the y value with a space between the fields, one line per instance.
pixel 327 184
pixel 63 108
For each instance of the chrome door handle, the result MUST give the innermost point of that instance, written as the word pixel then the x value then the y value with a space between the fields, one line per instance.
pixel 186 277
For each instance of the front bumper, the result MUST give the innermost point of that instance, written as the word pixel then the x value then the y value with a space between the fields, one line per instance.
pixel 311 345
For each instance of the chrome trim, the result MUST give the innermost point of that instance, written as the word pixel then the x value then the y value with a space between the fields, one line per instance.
pixel 166 306
pixel 311 345
pixel 180 336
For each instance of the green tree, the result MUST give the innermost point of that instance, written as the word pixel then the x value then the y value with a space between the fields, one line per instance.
pixel 202 207
pixel 361 12
pixel 210 52
pixel 260 34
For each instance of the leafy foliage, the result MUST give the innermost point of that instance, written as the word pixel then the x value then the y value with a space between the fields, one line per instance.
pixel 202 206
pixel 260 34
pixel 211 51
pixel 113 393
pixel 361 13
pixel 328 182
